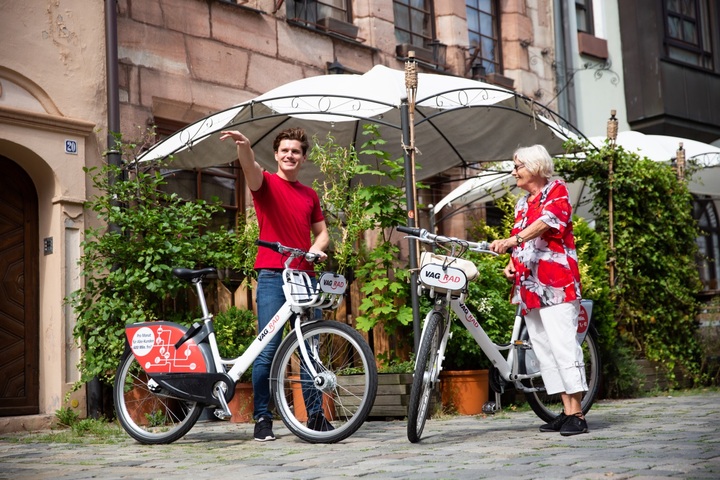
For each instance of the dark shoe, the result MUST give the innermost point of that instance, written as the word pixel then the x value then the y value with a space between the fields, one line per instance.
pixel 263 430
pixel 319 423
pixel 556 424
pixel 574 425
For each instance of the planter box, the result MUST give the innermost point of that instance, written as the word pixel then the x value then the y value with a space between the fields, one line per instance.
pixel 422 54
pixel 392 397
pixel 334 25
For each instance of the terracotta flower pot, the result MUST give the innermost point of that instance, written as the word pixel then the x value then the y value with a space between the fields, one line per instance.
pixel 465 390
pixel 241 405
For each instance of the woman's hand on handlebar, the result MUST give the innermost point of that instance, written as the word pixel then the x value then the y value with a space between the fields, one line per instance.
pixel 503 245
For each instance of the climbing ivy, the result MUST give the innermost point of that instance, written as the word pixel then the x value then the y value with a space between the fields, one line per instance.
pixel 656 276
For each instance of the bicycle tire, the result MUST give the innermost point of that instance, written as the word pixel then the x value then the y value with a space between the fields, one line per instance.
pixel 427 369
pixel 547 407
pixel 346 363
pixel 150 418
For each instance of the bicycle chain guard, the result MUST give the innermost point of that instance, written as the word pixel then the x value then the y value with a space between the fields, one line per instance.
pixel 153 344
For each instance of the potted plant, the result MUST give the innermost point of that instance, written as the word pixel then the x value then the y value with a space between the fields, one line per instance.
pixel 464 379
pixel 360 219
pixel 235 330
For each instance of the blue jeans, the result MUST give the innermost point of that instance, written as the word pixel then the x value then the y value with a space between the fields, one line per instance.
pixel 270 298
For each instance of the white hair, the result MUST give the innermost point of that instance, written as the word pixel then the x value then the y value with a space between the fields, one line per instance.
pixel 536 159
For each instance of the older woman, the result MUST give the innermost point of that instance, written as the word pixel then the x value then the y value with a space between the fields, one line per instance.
pixel 544 268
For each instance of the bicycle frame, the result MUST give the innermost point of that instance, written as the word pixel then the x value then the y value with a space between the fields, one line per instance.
pixel 446 278
pixel 507 366
pixel 185 367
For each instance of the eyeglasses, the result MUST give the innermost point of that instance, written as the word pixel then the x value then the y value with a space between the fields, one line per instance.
pixel 517 167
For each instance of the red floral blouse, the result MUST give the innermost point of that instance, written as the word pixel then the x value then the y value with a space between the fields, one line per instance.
pixel 546 267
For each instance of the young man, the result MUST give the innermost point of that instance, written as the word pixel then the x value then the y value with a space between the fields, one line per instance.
pixel 288 212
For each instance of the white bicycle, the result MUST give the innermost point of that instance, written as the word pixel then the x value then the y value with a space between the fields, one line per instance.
pixel 170 373
pixel 444 278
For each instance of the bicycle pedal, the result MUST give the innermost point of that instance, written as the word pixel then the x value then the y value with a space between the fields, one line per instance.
pixel 222 414
pixel 522 344
pixel 490 408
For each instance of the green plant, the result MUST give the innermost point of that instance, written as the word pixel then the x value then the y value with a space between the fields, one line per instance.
pixel 66 416
pixel 656 278
pixel 127 268
pixel 234 252
pixel 353 208
pixel 488 299
pixel 155 418
pixel 392 364
pixel 235 330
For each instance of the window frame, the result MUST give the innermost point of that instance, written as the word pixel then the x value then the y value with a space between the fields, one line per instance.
pixel 702 48
pixel 496 63
pixel 584 10
pixel 428 35
pixel 311 16
pixel 232 171
pixel 708 262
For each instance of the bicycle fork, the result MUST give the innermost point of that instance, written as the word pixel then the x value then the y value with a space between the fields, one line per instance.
pixel 324 381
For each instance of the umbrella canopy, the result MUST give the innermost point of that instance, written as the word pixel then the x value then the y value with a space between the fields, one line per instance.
pixel 457 121
pixel 661 148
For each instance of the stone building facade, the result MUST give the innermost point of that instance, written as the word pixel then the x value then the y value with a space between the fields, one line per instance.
pixel 179 60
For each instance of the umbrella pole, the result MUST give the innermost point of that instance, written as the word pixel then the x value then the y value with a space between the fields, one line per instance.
pixel 413 254
pixel 407 108
pixel 612 131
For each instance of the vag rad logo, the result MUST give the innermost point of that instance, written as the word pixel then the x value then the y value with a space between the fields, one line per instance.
pixel 445 278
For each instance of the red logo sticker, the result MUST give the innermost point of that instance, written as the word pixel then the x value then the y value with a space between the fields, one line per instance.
pixel 582 320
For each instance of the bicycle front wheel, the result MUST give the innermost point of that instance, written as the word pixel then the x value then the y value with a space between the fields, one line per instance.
pixel 345 388
pixel 427 369
pixel 150 416
pixel 547 407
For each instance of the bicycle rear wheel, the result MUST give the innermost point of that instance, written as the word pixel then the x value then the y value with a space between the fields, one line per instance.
pixel 547 407
pixel 149 416
pixel 427 369
pixel 346 367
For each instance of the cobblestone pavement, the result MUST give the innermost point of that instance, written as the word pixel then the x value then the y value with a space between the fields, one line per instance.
pixel 655 437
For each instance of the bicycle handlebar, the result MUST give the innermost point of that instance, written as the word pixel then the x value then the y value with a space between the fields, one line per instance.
pixel 290 251
pixel 426 237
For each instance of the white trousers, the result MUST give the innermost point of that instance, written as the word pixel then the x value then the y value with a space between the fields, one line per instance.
pixel 553 333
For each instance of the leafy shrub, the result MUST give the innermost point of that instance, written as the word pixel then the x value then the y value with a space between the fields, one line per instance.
pixel 235 330
pixel 128 269
pixel 653 256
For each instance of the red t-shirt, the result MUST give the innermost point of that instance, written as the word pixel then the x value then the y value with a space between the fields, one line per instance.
pixel 286 212
pixel 546 267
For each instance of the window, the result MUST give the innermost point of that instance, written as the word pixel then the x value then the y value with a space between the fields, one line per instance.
pixel 708 243
pixel 483 28
pixel 223 182
pixel 312 11
pixel 584 16
pixel 687 32
pixel 414 22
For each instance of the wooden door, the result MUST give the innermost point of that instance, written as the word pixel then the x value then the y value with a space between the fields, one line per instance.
pixel 19 246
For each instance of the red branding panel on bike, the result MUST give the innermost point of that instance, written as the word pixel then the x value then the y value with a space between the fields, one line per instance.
pixel 443 278
pixel 153 344
pixel 332 283
pixel 583 321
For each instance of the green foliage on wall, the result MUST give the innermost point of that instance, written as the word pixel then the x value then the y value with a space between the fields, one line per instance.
pixel 656 277
pixel 128 270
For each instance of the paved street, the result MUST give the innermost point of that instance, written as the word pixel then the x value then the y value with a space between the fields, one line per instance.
pixel 657 437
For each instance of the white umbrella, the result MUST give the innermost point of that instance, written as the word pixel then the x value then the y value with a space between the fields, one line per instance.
pixel 458 121
pixel 488 186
